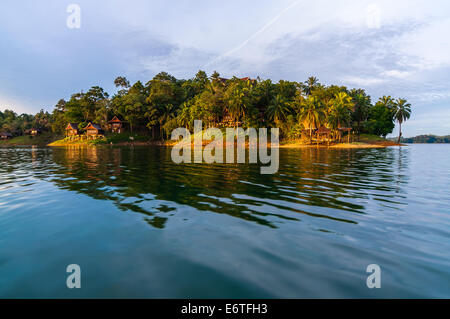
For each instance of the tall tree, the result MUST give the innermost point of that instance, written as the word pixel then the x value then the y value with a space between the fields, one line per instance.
pixel 311 84
pixel 402 113
pixel 312 114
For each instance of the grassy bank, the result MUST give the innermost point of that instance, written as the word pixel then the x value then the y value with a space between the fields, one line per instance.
pixel 113 139
pixel 24 140
pixel 365 141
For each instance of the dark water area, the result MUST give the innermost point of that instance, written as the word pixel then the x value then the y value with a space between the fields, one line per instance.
pixel 140 225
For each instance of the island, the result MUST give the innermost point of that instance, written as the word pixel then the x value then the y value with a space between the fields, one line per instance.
pixel 307 113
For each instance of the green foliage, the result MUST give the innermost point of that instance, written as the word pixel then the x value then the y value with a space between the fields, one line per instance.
pixel 381 120
pixel 427 139
pixel 165 103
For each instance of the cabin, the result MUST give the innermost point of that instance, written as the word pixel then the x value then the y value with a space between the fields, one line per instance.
pixel 5 136
pixel 72 129
pixel 116 125
pixel 248 79
pixel 347 130
pixel 33 131
pixel 323 134
pixel 94 130
pixel 228 121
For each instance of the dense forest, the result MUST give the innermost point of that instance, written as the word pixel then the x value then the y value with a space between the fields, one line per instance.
pixel 164 103
pixel 427 139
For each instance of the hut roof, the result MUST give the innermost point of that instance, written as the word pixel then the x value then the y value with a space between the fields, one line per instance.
pixel 93 126
pixel 323 130
pixel 248 79
pixel 72 126
pixel 115 119
pixel 345 129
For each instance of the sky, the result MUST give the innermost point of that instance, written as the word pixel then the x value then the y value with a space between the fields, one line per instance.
pixel 399 48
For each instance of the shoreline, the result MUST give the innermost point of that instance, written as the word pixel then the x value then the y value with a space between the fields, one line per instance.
pixel 356 145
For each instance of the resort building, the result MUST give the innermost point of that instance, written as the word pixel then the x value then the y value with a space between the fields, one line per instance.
pixel 94 130
pixel 116 125
pixel 33 131
pixel 72 129
pixel 5 136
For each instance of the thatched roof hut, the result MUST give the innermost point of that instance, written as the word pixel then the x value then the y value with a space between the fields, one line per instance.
pixel 72 129
pixel 115 125
pixel 94 129
pixel 5 135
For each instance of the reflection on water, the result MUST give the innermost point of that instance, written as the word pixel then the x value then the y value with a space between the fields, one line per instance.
pixel 371 202
pixel 339 180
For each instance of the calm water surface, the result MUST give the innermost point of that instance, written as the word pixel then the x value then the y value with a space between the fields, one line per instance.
pixel 141 226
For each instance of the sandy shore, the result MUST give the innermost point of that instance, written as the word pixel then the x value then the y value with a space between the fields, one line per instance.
pixel 355 145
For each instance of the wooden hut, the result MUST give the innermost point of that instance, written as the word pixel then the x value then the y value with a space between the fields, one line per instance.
pixel 116 125
pixel 343 130
pixel 72 129
pixel 323 134
pixel 5 136
pixel 33 131
pixel 94 130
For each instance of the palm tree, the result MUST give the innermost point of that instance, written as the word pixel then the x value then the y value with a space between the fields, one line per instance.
pixel 311 83
pixel 312 113
pixel 387 101
pixel 278 109
pixel 402 113
pixel 237 103
pixel 166 113
pixel 340 112
pixel 342 108
pixel 361 109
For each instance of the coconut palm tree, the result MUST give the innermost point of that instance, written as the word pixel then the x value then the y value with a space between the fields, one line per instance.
pixel 402 113
pixel 310 84
pixel 361 109
pixel 279 109
pixel 341 109
pixel 312 114
pixel 339 115
pixel 387 101
pixel 166 112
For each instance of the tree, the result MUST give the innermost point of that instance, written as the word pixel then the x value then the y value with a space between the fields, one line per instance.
pixel 402 113
pixel 388 102
pixel 122 82
pixel 311 84
pixel 361 108
pixel 312 114
pixel 238 98
pixel 380 121
pixel 340 112
pixel 134 105
pixel 279 109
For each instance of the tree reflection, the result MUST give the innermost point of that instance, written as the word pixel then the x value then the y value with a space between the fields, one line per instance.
pixel 332 184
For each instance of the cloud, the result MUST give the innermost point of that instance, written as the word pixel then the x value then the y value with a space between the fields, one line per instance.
pixel 397 48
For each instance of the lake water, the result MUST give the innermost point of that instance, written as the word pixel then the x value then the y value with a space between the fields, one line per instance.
pixel 141 226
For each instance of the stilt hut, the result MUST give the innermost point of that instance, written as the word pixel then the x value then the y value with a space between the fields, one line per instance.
pixel 323 134
pixel 116 125
pixel 72 130
pixel 347 130
pixel 5 135
pixel 94 131
pixel 33 131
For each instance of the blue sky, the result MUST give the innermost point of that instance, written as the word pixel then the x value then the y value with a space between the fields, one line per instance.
pixel 399 48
